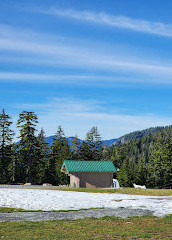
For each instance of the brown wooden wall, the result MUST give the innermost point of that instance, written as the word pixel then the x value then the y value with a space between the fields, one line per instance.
pixel 91 179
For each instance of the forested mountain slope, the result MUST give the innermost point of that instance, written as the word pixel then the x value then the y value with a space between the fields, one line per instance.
pixel 138 134
pixel 145 160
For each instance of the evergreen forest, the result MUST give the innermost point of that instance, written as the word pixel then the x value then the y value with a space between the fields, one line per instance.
pixel 142 157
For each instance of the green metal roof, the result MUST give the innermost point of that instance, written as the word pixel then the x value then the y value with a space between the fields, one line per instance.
pixel 88 166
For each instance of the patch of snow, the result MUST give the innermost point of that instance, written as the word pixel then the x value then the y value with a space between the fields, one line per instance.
pixel 35 199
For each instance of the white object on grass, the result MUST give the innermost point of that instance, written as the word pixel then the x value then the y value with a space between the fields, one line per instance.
pixel 139 186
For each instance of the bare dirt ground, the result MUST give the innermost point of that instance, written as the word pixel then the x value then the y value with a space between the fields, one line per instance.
pixel 98 213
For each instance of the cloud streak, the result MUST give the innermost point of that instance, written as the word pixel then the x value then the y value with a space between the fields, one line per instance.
pixel 6 76
pixel 76 56
pixel 123 22
pixel 77 79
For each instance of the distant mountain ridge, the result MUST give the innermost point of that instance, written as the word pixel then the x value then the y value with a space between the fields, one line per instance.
pixel 117 141
pixel 108 143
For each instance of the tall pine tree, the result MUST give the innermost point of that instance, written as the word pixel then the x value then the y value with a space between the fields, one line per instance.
pixel 75 148
pixel 91 148
pixel 6 135
pixel 59 152
pixel 167 165
pixel 41 159
pixel 27 147
pixel 156 171
pixel 125 174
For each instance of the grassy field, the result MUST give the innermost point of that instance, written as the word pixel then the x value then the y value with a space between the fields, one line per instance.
pixel 133 191
pixel 89 228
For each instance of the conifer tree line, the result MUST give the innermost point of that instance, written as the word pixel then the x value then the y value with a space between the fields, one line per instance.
pixel 145 161
pixel 31 160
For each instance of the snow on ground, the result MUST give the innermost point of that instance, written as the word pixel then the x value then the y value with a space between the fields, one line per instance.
pixel 35 199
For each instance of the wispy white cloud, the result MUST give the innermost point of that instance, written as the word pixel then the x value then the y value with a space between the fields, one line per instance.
pixel 24 77
pixel 77 117
pixel 64 105
pixel 124 22
pixel 91 80
pixel 67 54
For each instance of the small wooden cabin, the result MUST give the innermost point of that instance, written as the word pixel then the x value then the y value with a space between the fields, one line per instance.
pixel 89 174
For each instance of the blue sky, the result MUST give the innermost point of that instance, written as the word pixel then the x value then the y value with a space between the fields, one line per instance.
pixel 87 63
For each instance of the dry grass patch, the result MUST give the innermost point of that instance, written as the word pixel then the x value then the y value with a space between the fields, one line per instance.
pixel 132 191
pixel 12 210
pixel 105 228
